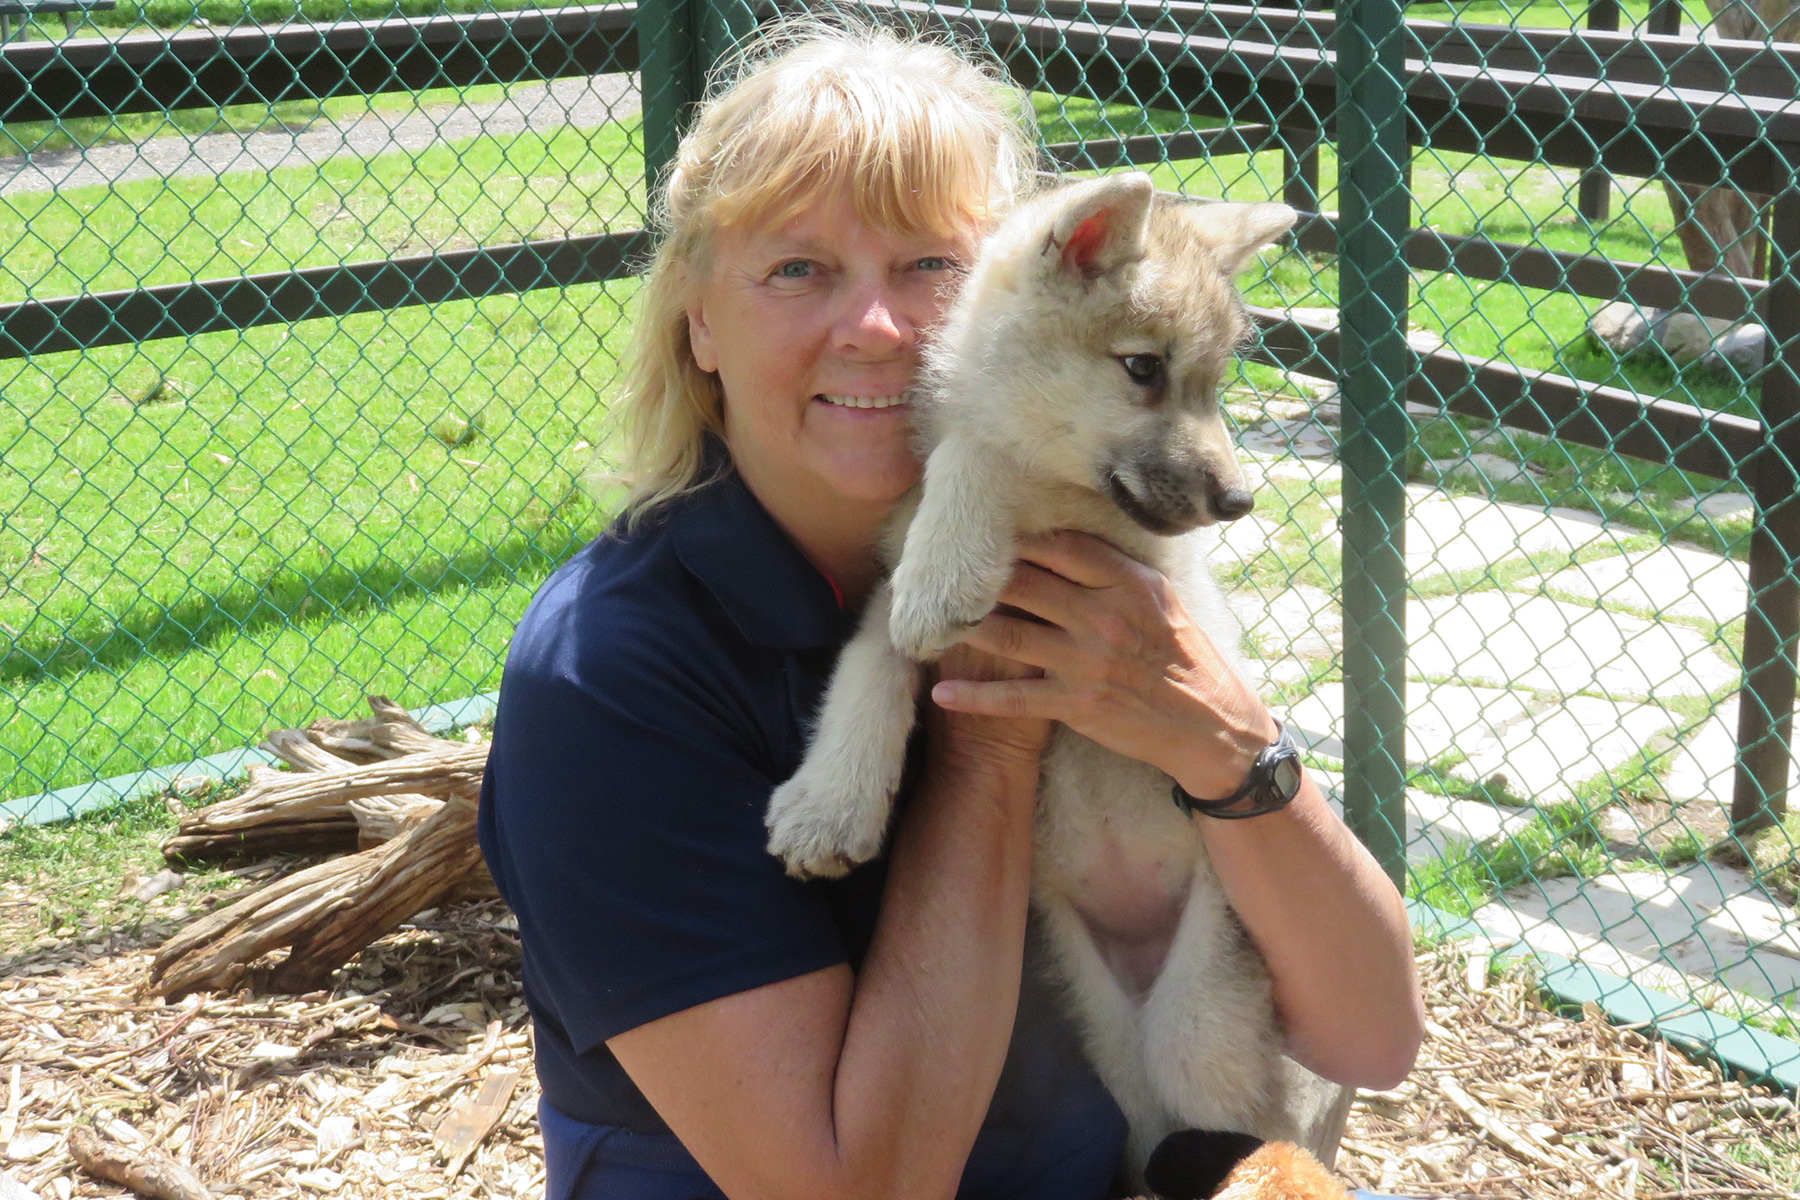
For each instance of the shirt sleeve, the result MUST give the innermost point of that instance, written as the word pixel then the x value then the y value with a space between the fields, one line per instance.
pixel 623 821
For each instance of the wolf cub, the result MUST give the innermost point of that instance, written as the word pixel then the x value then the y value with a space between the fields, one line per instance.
pixel 1074 385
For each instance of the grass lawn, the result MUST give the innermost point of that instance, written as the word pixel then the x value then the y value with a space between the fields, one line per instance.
pixel 1551 14
pixel 171 509
pixel 205 537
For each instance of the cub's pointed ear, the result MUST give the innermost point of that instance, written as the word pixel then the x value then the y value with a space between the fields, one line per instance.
pixel 1237 231
pixel 1099 225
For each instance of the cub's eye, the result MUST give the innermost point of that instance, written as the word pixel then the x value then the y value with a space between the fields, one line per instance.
pixel 797 269
pixel 1145 369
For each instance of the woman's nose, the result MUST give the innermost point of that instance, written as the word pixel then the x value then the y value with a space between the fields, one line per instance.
pixel 873 322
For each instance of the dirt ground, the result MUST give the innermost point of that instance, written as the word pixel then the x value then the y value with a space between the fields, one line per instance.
pixel 341 1093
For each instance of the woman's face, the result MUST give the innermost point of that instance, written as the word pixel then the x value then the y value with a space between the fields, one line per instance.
pixel 814 329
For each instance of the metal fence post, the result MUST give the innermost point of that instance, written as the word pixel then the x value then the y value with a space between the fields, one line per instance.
pixel 1595 196
pixel 1373 283
pixel 723 25
pixel 1300 153
pixel 1772 625
pixel 669 78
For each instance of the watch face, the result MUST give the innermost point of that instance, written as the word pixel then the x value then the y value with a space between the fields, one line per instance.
pixel 1286 777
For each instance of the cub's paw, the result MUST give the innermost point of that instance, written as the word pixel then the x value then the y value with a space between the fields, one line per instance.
pixel 924 622
pixel 821 832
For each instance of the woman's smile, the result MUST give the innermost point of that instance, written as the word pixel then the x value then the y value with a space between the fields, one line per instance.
pixel 864 403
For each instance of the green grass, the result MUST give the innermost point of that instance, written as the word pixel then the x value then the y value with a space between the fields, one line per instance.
pixel 184 518
pixel 1563 839
pixel 205 536
pixel 1553 14
pixel 73 879
pixel 164 602
pixel 174 14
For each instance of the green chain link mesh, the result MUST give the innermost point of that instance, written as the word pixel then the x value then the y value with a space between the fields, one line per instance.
pixel 1522 422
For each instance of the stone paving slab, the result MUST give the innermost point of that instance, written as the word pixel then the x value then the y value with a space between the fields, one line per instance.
pixel 1447 534
pixel 1545 750
pixel 1439 826
pixel 1459 533
pixel 1703 763
pixel 1241 541
pixel 1258 468
pixel 1299 621
pixel 1303 436
pixel 1440 718
pixel 1679 932
pixel 1545 757
pixel 1545 645
pixel 1672 580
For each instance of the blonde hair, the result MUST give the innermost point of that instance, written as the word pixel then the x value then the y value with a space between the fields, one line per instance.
pixel 921 138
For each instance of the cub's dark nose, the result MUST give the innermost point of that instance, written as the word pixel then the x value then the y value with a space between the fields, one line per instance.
pixel 1232 503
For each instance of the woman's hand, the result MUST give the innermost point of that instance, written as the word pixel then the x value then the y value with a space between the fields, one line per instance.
pixel 1120 661
pixel 1125 664
pixel 1014 738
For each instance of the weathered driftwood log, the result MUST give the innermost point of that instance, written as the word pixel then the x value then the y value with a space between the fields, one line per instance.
pixel 383 784
pixel 326 913
pixel 147 1171
pixel 390 733
pixel 275 815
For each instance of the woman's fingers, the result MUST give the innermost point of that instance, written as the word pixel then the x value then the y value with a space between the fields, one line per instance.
pixel 1005 698
pixel 1044 594
pixel 1024 641
pixel 1080 558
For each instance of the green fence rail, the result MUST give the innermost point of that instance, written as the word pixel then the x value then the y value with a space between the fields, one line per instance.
pixel 308 330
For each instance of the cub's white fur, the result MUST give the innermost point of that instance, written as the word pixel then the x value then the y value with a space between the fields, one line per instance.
pixel 1032 421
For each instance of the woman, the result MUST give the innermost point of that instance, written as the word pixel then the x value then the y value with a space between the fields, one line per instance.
pixel 705 1025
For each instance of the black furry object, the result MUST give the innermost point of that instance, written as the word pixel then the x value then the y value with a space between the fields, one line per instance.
pixel 1191 1164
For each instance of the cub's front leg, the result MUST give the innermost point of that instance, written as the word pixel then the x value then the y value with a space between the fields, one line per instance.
pixel 834 812
pixel 959 548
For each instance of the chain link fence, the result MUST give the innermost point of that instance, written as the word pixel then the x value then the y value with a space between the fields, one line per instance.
pixel 309 329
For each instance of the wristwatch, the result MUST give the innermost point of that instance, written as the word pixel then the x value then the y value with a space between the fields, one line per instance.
pixel 1274 781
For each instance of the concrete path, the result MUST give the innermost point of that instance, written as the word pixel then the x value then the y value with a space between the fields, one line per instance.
pixel 583 102
pixel 1547 652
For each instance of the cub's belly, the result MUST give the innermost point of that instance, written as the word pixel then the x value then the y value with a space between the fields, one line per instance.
pixel 1114 848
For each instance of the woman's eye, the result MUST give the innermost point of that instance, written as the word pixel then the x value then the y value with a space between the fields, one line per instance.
pixel 933 263
pixel 1146 369
pixel 798 269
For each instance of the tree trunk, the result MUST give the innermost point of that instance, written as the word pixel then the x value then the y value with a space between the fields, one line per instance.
pixel 1720 228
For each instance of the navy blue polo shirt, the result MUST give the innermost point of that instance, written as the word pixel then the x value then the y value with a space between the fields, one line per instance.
pixel 658 689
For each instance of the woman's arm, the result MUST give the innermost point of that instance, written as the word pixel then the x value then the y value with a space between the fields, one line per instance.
pixel 874 1085
pixel 1126 665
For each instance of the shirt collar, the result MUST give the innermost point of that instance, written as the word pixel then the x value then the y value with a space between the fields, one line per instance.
pixel 728 541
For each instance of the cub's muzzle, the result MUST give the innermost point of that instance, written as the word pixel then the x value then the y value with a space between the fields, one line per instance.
pixel 1168 502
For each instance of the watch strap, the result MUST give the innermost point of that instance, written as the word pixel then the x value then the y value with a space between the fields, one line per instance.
pixel 1258 788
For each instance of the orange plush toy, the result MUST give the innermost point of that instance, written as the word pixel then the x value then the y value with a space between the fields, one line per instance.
pixel 1195 1164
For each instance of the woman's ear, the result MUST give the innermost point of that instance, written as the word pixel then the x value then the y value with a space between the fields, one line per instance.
pixel 700 338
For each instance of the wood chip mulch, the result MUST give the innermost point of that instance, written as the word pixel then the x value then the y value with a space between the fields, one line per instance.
pixel 1510 1100
pixel 412 1077
pixel 365 1090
